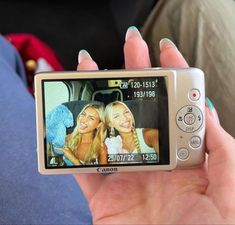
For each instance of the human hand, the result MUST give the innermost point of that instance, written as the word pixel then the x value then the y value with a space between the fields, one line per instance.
pixel 68 154
pixel 203 195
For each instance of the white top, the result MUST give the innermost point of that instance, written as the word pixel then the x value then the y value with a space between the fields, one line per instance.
pixel 114 144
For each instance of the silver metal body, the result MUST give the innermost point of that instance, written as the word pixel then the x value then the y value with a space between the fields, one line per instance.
pixel 186 97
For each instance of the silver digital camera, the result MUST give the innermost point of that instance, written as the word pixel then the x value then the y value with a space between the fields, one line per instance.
pixel 120 120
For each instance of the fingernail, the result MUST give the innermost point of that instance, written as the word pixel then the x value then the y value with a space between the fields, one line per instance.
pixel 132 32
pixel 166 43
pixel 210 105
pixel 83 55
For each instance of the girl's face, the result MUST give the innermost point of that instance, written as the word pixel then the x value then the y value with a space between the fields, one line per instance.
pixel 122 119
pixel 88 120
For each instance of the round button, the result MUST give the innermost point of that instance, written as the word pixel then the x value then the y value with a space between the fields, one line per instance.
pixel 194 95
pixel 195 142
pixel 189 118
pixel 183 154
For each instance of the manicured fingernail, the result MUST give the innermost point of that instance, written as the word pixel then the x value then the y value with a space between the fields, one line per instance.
pixel 83 55
pixel 210 105
pixel 166 43
pixel 132 32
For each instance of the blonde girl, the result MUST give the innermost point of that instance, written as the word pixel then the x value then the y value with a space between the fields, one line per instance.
pixel 85 145
pixel 118 117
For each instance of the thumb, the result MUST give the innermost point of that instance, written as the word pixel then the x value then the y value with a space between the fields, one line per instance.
pixel 221 160
pixel 220 144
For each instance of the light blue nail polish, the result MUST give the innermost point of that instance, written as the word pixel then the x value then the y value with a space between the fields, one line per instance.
pixel 133 28
pixel 132 31
pixel 83 55
pixel 83 51
pixel 166 42
pixel 209 104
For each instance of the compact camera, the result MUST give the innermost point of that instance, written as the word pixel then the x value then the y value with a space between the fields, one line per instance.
pixel 120 120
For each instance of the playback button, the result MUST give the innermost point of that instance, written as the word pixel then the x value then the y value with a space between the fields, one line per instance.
pixel 183 154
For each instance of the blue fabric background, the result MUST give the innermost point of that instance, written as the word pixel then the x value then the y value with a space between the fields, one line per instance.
pixel 26 197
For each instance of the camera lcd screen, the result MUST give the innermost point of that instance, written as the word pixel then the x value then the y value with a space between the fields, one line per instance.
pixel 103 122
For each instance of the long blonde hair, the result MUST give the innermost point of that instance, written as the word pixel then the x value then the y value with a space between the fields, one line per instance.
pixel 99 135
pixel 108 120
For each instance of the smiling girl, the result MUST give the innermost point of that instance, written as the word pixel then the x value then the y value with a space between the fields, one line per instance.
pixel 85 145
pixel 130 140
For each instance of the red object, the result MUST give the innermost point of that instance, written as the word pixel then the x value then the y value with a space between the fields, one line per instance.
pixel 31 47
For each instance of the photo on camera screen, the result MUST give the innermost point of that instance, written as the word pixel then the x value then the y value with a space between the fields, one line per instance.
pixel 102 122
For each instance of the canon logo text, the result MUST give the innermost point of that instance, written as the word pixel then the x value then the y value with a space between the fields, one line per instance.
pixel 107 169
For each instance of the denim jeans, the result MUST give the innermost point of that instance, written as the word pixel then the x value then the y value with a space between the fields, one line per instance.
pixel 26 197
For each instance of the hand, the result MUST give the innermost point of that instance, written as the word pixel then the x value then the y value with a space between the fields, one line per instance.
pixel 68 153
pixel 204 195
